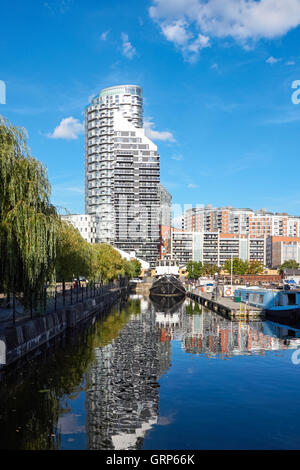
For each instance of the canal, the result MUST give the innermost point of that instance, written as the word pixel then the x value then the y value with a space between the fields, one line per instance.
pixel 144 376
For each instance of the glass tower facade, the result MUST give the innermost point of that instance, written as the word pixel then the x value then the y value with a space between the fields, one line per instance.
pixel 122 172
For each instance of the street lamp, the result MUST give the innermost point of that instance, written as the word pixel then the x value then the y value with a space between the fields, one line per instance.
pixel 216 282
pixel 231 269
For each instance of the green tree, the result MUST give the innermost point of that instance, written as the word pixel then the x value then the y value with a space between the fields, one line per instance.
pixel 28 221
pixel 133 268
pixel 210 269
pixel 255 267
pixel 74 254
pixel 289 264
pixel 238 266
pixel 106 263
pixel 194 269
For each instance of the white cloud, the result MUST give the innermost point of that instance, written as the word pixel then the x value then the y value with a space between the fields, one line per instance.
pixel 104 35
pixel 192 186
pixel 68 128
pixel 157 135
pixel 200 42
pixel 190 24
pixel 127 48
pixel 290 62
pixel 190 46
pixel 272 60
pixel 178 158
pixel 176 32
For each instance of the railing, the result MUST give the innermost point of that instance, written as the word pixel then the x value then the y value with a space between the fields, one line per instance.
pixel 53 299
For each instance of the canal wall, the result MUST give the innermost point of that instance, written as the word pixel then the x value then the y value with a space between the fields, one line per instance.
pixel 31 334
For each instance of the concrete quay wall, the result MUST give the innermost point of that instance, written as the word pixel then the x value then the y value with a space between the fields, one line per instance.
pixel 25 337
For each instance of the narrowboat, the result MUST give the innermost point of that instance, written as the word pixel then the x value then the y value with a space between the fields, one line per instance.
pixel 277 304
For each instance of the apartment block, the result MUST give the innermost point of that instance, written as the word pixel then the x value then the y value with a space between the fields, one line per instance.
pixel 87 225
pixel 216 248
pixel 281 249
pixel 241 221
pixel 122 172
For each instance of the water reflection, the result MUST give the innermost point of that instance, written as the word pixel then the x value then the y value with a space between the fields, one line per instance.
pixel 122 401
pixel 210 334
pixel 100 388
pixel 36 400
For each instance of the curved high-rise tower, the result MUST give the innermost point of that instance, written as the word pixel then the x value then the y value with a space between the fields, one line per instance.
pixel 122 172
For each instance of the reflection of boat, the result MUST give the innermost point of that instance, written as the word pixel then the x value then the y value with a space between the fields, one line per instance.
pixel 282 331
pixel 167 283
pixel 167 317
pixel 166 304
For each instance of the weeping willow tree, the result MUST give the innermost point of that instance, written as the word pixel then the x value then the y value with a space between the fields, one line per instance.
pixel 73 254
pixel 27 219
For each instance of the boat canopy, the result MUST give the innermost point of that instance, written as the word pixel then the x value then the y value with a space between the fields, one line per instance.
pixel 267 299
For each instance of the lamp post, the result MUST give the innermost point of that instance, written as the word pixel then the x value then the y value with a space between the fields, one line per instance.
pixel 231 270
pixel 216 281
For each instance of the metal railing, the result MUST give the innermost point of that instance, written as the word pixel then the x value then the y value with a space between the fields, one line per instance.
pixel 54 299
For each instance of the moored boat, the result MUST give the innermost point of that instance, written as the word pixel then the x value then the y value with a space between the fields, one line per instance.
pixel 167 283
pixel 277 304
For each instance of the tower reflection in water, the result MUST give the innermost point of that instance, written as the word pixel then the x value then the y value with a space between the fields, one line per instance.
pixel 123 395
pixel 122 400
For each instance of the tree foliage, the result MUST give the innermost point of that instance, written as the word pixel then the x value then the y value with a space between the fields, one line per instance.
pixel 242 267
pixel 133 268
pixel 106 263
pixel 238 266
pixel 27 219
pixel 194 269
pixel 255 267
pixel 74 254
pixel 36 246
pixel 97 262
pixel 289 264
pixel 209 269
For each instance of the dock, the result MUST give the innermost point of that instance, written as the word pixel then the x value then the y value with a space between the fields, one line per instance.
pixel 225 306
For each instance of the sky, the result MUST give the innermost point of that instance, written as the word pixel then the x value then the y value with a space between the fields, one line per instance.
pixel 221 88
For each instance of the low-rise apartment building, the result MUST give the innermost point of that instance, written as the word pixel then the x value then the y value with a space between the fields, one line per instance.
pixel 241 221
pixel 88 225
pixel 216 248
pixel 281 249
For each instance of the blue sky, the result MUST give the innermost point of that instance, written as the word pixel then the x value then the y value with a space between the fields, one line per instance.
pixel 217 81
